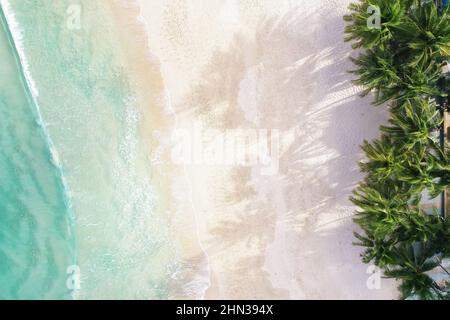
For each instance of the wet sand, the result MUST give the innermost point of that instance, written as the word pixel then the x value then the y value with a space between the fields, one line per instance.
pixel 273 65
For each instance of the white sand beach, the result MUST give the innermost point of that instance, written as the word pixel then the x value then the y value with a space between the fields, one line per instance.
pixel 263 64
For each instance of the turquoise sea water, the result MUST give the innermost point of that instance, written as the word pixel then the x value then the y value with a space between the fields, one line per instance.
pixel 75 185
pixel 36 240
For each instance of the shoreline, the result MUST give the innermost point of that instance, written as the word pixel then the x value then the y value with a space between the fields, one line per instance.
pixel 259 66
pixel 156 126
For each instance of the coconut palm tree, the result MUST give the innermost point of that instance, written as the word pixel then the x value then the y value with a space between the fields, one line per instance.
pixel 383 159
pixel 401 65
pixel 380 71
pixel 378 251
pixel 390 210
pixel 441 172
pixel 413 123
pixel 426 34
pixel 404 55
pixel 412 263
pixel 362 34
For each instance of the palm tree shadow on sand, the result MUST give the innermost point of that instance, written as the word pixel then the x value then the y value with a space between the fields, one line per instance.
pixel 291 230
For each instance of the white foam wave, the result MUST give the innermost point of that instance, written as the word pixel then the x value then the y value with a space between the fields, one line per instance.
pixel 18 39
pixel 17 34
pixel 202 282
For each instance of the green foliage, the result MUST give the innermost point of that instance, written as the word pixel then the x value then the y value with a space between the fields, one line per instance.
pixel 404 54
pixel 426 33
pixel 392 14
pixel 400 63
pixel 410 125
pixel 380 71
pixel 389 213
pixel 412 263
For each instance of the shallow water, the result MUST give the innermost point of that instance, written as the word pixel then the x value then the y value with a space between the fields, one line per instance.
pixel 94 159
pixel 36 240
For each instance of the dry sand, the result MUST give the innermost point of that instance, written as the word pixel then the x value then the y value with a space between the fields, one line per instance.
pixel 276 65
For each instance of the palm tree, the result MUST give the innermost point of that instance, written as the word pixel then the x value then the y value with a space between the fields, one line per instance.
pixel 417 168
pixel 401 65
pixel 404 55
pixel 412 124
pixel 364 35
pixel 380 70
pixel 441 170
pixel 413 262
pixel 384 159
pixel 377 250
pixel 426 34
